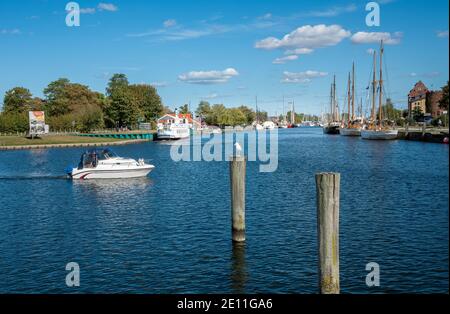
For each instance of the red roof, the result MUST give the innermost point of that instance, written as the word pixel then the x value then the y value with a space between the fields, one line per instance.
pixel 419 90
pixel 186 116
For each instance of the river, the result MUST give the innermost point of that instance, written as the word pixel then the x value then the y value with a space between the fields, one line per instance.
pixel 170 232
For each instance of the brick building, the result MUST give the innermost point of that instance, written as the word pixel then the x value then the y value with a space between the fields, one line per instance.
pixel 434 99
pixel 417 97
pixel 428 101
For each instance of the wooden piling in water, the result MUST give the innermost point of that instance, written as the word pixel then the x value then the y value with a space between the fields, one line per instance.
pixel 237 181
pixel 328 189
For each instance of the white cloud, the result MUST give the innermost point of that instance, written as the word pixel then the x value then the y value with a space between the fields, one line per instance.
pixel 211 96
pixel 107 7
pixel 179 33
pixel 333 11
pixel 158 84
pixel 442 34
pixel 299 51
pixel 376 37
pixel 285 59
pixel 87 10
pixel 14 31
pixel 266 16
pixel 371 51
pixel 413 74
pixel 302 77
pixel 208 77
pixel 309 37
pixel 170 23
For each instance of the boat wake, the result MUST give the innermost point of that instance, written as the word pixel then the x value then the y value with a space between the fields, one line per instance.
pixel 31 178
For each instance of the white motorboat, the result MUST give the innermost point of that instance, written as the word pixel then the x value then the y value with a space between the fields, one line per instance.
pixel 174 132
pixel 269 125
pixel 379 134
pixel 350 131
pixel 105 164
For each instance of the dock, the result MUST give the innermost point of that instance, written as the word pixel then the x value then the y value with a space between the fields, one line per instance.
pixel 149 136
pixel 424 136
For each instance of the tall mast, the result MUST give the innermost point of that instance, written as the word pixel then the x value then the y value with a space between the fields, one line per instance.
pixel 334 100
pixel 374 86
pixel 353 92
pixel 331 117
pixel 381 85
pixel 256 103
pixel 348 100
pixel 293 113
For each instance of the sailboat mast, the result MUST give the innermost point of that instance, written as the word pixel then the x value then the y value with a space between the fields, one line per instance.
pixel 348 100
pixel 256 104
pixel 374 86
pixel 381 85
pixel 292 113
pixel 334 100
pixel 353 92
pixel 331 117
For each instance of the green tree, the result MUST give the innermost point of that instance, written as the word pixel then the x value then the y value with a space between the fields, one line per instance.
pixel 148 101
pixel 249 114
pixel 17 100
pixel 184 109
pixel 57 102
pixel 116 82
pixel 13 122
pixel 203 109
pixel 262 116
pixel 417 114
pixel 122 109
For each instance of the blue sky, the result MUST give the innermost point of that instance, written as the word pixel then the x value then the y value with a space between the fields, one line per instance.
pixel 225 51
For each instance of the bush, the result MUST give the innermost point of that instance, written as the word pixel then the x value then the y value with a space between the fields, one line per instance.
pixel 14 122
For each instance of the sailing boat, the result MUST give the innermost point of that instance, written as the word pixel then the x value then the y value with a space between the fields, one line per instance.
pixel 377 130
pixel 256 124
pixel 353 126
pixel 332 127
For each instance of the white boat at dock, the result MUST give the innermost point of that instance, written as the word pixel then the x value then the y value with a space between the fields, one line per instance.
pixel 353 126
pixel 175 126
pixel 105 164
pixel 350 131
pixel 379 134
pixel 377 128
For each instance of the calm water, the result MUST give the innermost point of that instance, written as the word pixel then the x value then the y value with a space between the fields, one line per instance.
pixel 170 232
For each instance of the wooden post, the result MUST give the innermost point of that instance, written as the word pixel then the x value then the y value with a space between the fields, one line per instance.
pixel 237 181
pixel 328 189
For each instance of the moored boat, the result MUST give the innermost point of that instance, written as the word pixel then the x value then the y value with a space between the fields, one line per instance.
pixel 331 129
pixel 353 126
pixel 333 125
pixel 350 131
pixel 379 134
pixel 377 128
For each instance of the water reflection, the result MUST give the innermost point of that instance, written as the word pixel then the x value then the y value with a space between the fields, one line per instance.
pixel 112 188
pixel 239 273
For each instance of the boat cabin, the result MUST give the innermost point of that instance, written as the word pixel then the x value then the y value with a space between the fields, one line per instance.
pixel 91 157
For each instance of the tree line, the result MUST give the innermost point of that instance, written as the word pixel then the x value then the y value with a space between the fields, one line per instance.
pixel 221 116
pixel 73 106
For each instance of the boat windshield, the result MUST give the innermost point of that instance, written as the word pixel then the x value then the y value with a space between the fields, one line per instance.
pixel 106 154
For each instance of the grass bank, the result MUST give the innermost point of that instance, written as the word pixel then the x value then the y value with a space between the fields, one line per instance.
pixel 52 140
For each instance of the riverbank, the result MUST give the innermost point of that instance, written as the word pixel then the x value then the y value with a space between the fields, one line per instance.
pixel 60 141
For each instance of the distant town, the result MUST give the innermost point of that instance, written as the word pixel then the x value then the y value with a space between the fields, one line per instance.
pixel 75 107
